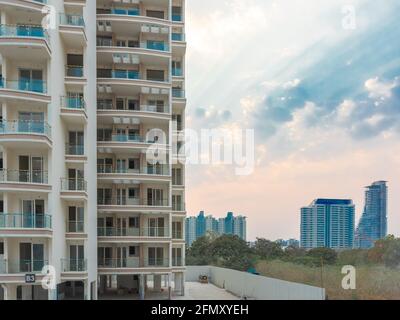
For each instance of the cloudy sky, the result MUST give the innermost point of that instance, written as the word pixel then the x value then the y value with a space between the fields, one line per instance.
pixel 321 91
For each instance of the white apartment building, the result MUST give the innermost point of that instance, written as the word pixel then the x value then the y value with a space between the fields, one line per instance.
pixel 78 190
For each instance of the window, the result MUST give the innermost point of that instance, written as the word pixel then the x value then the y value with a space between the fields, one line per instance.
pixel 155 14
pixel 1 248
pixel 155 75
pixel 134 222
pixel 132 251
pixel 133 193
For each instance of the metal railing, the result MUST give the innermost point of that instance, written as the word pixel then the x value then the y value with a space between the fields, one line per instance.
pixel 25 176
pixel 177 234
pixel 133 232
pixel 177 262
pixel 3 266
pixel 156 262
pixel 37 86
pixel 149 45
pixel 177 17
pixel 75 226
pixel 25 127
pixel 72 20
pixel 68 184
pixel 161 170
pixel 126 12
pixel 74 150
pixel 132 202
pixel 178 36
pixel 118 263
pixel 74 71
pixel 73 102
pixel 25 221
pixel 178 93
pixel 128 138
pixel 33 31
pixel 26 266
pixel 177 72
pixel 109 105
pixel 73 265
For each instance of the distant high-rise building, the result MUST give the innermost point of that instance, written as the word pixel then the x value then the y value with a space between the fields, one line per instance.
pixel 190 228
pixel 373 222
pixel 328 223
pixel 203 224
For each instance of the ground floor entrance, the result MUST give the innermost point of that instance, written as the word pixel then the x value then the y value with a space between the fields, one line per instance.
pixel 140 286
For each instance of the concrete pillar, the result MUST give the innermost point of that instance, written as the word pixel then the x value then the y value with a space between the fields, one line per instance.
pixel 4 287
pixel 183 284
pixel 11 292
pixel 157 283
pixel 169 286
pixel 141 287
pixel 86 290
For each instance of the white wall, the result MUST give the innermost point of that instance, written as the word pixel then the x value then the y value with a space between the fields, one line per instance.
pixel 254 286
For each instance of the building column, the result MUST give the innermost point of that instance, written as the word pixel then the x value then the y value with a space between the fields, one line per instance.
pixel 141 287
pixel 5 292
pixel 11 292
pixel 157 283
pixel 86 290
pixel 169 286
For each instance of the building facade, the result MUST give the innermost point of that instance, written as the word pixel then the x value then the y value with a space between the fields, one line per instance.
pixel 90 177
pixel 201 225
pixel 328 223
pixel 373 222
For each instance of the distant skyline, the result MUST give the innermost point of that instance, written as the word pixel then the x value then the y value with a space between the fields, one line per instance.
pixel 323 100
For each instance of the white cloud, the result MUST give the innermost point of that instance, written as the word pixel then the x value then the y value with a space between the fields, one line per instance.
pixel 345 110
pixel 379 89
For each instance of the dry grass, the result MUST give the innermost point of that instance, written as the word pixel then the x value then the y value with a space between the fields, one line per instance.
pixel 373 282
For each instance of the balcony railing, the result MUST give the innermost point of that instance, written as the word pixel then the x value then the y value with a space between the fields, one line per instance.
pixel 72 20
pixel 178 206
pixel 73 265
pixel 156 262
pixel 25 266
pixel 177 72
pixel 74 71
pixel 23 31
pixel 160 170
pixel 118 263
pixel 126 12
pixel 177 262
pixel 177 234
pixel 71 102
pixel 129 138
pixel 3 266
pixel 149 44
pixel 37 86
pixel 24 176
pixel 74 150
pixel 73 184
pixel 177 17
pixel 75 226
pixel 25 221
pixel 133 232
pixel 125 201
pixel 109 105
pixel 132 263
pixel 178 36
pixel 25 127
pixel 178 93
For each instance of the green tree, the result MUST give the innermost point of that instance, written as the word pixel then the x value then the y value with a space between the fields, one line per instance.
pixel 199 252
pixel 267 249
pixel 327 255
pixel 391 257
pixel 231 252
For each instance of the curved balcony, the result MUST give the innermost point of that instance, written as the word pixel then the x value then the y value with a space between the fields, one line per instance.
pixel 73 109
pixel 130 82
pixel 129 265
pixel 24 180
pixel 25 134
pixel 25 225
pixel 133 205
pixel 106 110
pixel 29 90
pixel 31 6
pixel 73 189
pixel 33 39
pixel 108 173
pixel 72 30
pixel 129 15
pixel 75 153
pixel 127 142
pixel 143 235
